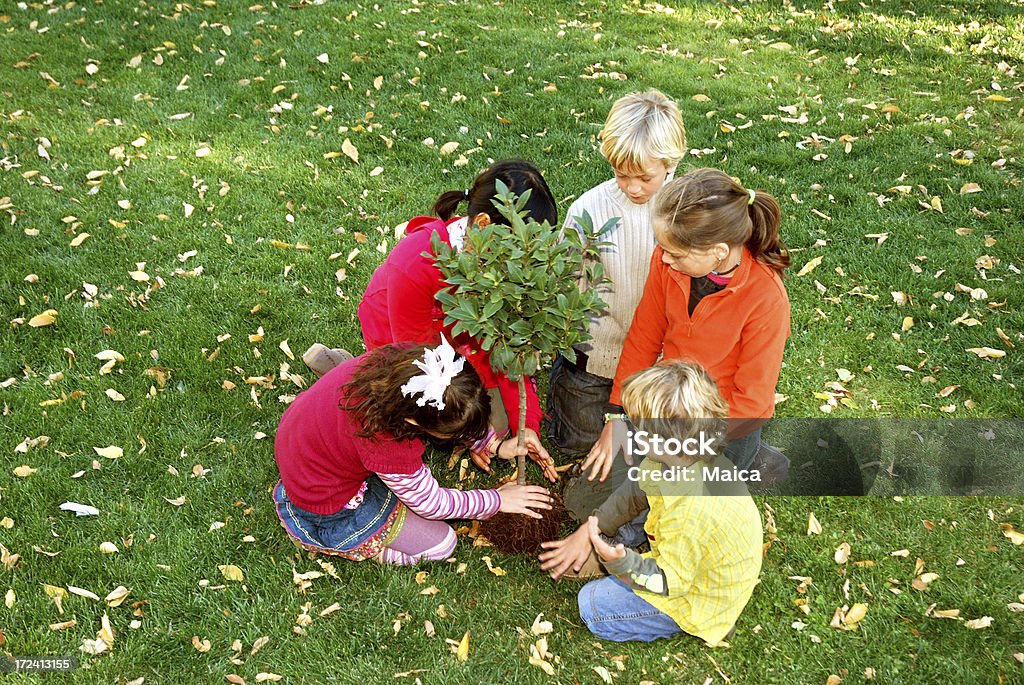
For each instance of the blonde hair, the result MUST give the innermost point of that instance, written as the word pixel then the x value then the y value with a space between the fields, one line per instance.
pixel 706 206
pixel 642 127
pixel 676 400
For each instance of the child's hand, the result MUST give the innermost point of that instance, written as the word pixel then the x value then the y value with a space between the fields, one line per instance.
pixel 534 450
pixel 603 549
pixel 564 554
pixel 482 461
pixel 602 454
pixel 523 499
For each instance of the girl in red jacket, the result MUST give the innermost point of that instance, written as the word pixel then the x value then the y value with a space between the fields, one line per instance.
pixel 714 297
pixel 399 303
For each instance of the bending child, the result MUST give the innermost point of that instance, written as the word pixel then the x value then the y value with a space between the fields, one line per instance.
pixel 350 452
pixel 399 304
pixel 714 297
pixel 643 140
pixel 705 548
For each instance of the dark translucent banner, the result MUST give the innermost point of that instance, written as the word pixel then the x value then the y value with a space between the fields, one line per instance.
pixel 827 456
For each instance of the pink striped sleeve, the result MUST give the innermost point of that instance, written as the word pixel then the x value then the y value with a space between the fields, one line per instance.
pixel 422 494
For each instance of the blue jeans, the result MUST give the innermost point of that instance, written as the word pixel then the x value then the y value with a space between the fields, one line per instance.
pixel 614 612
pixel 742 451
pixel 632 534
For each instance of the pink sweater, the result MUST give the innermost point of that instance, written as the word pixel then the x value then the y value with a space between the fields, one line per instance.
pixel 323 462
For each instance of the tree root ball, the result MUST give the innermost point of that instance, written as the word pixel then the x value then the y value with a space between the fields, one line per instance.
pixel 521 534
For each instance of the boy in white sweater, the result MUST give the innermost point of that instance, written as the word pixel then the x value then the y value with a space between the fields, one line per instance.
pixel 643 140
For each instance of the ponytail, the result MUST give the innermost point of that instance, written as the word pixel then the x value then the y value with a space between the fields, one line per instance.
pixel 765 243
pixel 448 202
pixel 519 176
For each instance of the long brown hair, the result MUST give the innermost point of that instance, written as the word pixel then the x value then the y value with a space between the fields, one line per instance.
pixel 374 398
pixel 706 206
pixel 519 176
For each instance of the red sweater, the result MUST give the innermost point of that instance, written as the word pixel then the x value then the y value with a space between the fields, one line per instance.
pixel 399 306
pixel 737 334
pixel 321 459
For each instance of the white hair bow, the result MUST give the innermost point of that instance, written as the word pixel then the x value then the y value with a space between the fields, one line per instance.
pixel 439 367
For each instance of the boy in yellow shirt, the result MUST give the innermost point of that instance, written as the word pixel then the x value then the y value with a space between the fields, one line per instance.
pixel 704 529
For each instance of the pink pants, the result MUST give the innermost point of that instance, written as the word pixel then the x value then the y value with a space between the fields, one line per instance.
pixel 420 540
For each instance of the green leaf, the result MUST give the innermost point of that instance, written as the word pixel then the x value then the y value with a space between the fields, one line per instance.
pixel 491 309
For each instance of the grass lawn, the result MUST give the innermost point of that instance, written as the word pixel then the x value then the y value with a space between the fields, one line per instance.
pixel 200 190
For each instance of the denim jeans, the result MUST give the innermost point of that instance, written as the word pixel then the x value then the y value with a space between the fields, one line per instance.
pixel 614 612
pixel 742 451
pixel 631 534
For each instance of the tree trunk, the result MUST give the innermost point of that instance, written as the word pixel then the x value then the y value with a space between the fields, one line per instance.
pixel 521 441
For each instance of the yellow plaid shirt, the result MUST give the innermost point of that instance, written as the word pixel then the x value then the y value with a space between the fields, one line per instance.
pixel 709 548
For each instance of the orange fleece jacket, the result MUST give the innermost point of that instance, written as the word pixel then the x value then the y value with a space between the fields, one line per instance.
pixel 738 334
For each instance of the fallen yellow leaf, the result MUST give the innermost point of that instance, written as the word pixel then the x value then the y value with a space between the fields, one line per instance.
pixel 110 452
pixel 810 266
pixel 856 614
pixel 116 596
pixel 350 150
pixel 82 592
pixel 1014 536
pixel 232 572
pixel 987 352
pixel 45 319
pixel 922 582
pixel 842 554
pixel 979 623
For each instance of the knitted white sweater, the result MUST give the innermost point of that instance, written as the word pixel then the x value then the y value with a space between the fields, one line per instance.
pixel 626 262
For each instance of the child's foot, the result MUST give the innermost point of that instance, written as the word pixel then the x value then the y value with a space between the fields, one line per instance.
pixel 321 359
pixel 773 465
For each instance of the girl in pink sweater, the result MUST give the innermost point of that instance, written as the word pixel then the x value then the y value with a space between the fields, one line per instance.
pixel 350 452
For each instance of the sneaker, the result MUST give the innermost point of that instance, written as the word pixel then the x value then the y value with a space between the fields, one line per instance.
pixel 773 465
pixel 321 359
pixel 591 569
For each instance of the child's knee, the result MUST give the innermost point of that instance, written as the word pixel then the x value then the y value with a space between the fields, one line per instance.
pixel 600 608
pixel 589 603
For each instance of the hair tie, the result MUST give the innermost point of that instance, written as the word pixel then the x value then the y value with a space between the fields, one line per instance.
pixel 439 367
pixel 465 194
pixel 753 195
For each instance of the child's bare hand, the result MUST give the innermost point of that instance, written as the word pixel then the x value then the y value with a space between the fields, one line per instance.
pixel 603 549
pixel 509 449
pixel 602 454
pixel 570 552
pixel 482 461
pixel 523 499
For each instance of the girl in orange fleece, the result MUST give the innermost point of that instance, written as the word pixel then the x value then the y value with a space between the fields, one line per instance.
pixel 714 297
